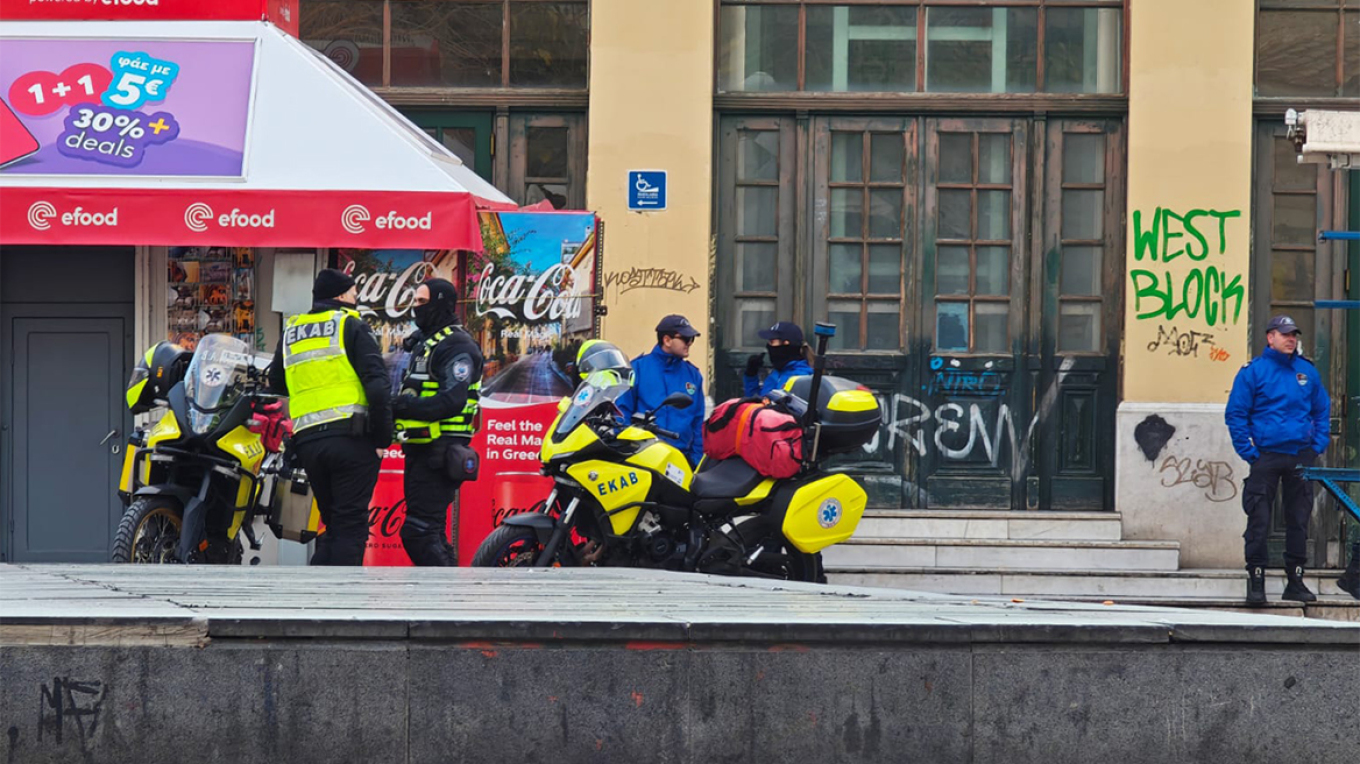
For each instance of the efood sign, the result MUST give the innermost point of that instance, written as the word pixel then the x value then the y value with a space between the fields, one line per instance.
pixel 646 190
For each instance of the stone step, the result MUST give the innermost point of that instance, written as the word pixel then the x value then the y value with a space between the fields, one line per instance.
pixel 1191 585
pixel 870 554
pixel 947 524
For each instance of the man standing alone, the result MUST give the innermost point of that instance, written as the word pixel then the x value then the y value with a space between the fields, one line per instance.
pixel 1279 418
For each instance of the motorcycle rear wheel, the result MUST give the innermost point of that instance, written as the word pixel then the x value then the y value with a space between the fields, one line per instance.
pixel 149 532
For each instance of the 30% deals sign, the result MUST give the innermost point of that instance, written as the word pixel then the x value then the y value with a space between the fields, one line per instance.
pixel 105 122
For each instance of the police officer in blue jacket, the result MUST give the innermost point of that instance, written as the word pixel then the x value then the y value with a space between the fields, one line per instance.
pixel 663 371
pixel 1279 418
pixel 785 346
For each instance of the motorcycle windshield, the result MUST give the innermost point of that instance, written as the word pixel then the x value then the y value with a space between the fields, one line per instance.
pixel 599 390
pixel 216 378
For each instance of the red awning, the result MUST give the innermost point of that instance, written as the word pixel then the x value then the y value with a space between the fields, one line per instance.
pixel 228 133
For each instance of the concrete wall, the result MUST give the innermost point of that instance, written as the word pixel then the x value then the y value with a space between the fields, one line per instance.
pixel 304 701
pixel 1188 273
pixel 1177 477
pixel 651 95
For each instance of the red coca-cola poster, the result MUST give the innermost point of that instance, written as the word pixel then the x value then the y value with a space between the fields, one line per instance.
pixel 529 301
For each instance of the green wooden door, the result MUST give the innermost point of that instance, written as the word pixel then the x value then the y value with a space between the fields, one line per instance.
pixel 468 134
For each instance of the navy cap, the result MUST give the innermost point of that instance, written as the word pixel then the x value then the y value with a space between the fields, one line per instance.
pixel 1282 324
pixel 676 324
pixel 784 330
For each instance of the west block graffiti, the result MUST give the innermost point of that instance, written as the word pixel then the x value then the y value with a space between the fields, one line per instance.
pixel 1205 291
pixel 1215 477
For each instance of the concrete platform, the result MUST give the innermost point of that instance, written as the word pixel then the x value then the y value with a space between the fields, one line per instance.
pixel 168 664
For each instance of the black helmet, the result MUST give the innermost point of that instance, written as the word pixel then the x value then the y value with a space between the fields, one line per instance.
pixel 159 369
pixel 598 355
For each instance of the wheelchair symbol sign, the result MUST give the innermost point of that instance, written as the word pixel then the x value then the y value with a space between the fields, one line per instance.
pixel 647 190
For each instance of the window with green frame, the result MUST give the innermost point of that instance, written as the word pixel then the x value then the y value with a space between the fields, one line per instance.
pixel 1308 48
pixel 1007 46
pixel 453 43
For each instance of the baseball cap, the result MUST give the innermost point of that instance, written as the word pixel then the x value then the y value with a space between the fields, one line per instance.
pixel 784 330
pixel 676 324
pixel 1282 324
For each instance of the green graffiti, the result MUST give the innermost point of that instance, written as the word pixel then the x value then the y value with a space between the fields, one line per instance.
pixel 1205 292
pixel 1155 242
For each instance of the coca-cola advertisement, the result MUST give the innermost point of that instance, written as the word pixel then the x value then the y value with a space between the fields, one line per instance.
pixel 533 301
pixel 529 300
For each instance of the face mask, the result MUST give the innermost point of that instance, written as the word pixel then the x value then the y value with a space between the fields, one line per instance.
pixel 781 355
pixel 430 317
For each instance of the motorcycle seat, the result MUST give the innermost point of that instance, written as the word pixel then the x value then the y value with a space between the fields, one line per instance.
pixel 725 479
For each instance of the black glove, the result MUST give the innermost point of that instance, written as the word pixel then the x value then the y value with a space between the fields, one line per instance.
pixel 754 363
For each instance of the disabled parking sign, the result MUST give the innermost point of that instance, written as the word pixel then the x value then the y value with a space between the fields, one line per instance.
pixel 646 190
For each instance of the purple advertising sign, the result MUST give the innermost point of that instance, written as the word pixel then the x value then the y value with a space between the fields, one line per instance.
pixel 124 107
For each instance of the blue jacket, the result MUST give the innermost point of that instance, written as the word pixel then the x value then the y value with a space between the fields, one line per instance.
pixel 776 378
pixel 1278 404
pixel 655 376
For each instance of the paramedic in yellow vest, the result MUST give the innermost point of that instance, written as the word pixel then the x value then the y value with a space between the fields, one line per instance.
pixel 436 416
pixel 339 398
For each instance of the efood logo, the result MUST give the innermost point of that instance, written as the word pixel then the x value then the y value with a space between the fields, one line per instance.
pixel 41 214
pixel 196 216
pixel 355 215
pixel 353 218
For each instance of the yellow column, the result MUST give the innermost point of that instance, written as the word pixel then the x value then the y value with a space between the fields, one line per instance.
pixel 1189 199
pixel 651 108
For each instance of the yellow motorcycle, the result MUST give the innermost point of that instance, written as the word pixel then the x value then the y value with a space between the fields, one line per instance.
pixel 624 497
pixel 196 479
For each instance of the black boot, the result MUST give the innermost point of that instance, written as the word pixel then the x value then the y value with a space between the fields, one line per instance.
pixel 1296 590
pixel 1350 580
pixel 1256 586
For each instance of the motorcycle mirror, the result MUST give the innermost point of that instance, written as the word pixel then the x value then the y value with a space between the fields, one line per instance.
pixel 677 401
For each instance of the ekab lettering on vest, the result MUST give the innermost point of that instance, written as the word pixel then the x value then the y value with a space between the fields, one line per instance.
pixel 617 484
pixel 310 331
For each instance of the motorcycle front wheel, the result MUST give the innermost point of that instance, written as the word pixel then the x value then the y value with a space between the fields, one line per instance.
pixel 509 546
pixel 149 531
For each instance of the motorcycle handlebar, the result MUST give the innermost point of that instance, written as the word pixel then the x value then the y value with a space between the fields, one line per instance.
pixel 666 433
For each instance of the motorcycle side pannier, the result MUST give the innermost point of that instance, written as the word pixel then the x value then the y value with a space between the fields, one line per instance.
pixel 848 411
pixel 293 512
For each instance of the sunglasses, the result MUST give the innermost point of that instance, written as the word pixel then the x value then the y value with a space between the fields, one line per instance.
pixel 686 340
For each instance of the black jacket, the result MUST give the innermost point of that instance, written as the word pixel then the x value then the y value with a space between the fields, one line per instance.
pixel 366 358
pixel 455 363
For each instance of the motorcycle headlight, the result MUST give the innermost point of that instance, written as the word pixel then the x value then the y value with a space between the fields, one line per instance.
pixel 201 422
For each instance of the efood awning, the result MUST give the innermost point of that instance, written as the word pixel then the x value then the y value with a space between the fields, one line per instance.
pixel 214 132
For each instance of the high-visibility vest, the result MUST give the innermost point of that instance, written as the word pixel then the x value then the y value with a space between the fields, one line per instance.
pixel 322 384
pixel 418 379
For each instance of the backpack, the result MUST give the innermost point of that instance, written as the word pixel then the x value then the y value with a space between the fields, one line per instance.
pixel 769 440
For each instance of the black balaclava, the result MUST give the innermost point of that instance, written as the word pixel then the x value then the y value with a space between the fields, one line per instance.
pixel 781 355
pixel 441 310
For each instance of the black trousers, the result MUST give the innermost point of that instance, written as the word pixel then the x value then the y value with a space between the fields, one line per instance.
pixel 1258 497
pixel 343 471
pixel 429 492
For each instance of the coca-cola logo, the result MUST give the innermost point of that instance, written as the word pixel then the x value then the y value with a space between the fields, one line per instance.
pixel 500 514
pixel 390 293
pixel 386 521
pixel 528 297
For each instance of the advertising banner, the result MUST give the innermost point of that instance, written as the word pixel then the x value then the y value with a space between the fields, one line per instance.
pixel 528 300
pixel 125 107
pixel 283 13
pixel 532 305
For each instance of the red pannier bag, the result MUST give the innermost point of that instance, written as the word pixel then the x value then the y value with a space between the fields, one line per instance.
pixel 769 440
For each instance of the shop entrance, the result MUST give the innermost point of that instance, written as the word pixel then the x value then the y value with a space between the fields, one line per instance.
pixel 67 320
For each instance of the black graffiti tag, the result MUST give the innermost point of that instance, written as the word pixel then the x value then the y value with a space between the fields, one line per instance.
pixel 1178 343
pixel 70 700
pixel 1216 478
pixel 651 278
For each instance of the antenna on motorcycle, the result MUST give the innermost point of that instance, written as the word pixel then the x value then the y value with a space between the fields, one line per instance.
pixel 824 332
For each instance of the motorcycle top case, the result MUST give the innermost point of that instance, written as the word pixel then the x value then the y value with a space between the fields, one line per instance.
pixel 848 412
pixel 819 511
